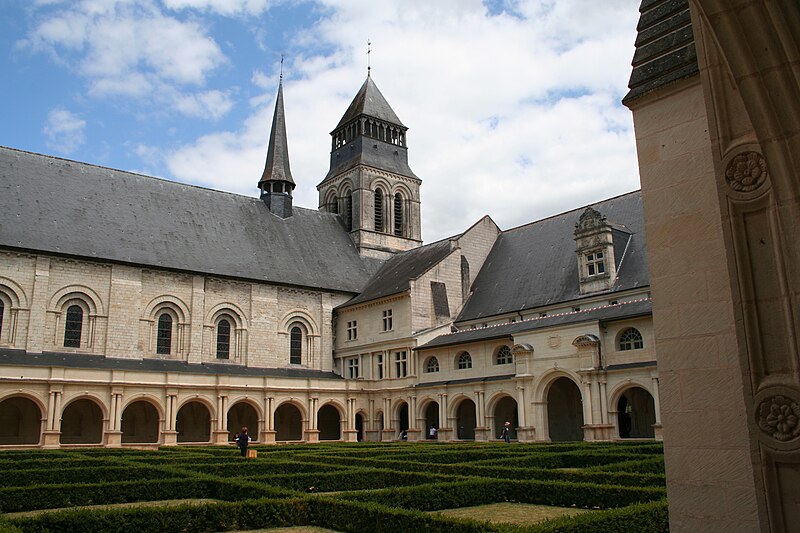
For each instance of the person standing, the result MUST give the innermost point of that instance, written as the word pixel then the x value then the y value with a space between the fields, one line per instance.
pixel 506 432
pixel 242 441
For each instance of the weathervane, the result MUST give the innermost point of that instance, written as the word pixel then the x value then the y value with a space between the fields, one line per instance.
pixel 369 51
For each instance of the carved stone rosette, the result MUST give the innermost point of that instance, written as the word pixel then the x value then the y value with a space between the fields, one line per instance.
pixel 746 172
pixel 778 417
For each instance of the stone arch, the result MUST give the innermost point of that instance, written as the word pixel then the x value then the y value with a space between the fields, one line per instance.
pixel 635 410
pixel 193 421
pixel 402 190
pixel 178 311
pixel 72 292
pixel 289 416
pixel 90 305
pixel 564 411
pixel 345 185
pixel 227 308
pixel 401 417
pixel 21 419
pixel 177 305
pixel 303 317
pixel 243 412
pixel 82 420
pixel 466 417
pixel 360 424
pixel 330 417
pixel 141 421
pixel 429 411
pixel 503 408
pixel 14 292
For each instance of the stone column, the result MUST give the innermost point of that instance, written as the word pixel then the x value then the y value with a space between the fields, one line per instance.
pixel 221 435
pixel 388 421
pixel 657 427
pixel 445 428
pixel 312 433
pixel 414 431
pixel 481 430
pixel 169 433
pixel 52 432
pixel 113 435
pixel 268 433
pixel 351 434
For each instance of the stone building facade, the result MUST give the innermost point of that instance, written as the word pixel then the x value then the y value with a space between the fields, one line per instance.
pixel 138 311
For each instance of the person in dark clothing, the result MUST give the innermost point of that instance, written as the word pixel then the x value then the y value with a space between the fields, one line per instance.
pixel 506 432
pixel 242 441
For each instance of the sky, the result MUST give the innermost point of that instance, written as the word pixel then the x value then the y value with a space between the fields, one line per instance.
pixel 513 106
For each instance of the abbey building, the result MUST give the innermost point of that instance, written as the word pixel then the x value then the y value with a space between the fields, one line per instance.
pixel 139 311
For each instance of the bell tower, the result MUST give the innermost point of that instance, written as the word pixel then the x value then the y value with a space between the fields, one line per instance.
pixel 370 184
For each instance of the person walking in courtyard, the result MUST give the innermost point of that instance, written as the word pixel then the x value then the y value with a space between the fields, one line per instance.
pixel 506 432
pixel 242 441
pixel 432 433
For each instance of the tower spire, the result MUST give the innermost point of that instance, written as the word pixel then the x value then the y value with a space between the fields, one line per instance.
pixel 276 181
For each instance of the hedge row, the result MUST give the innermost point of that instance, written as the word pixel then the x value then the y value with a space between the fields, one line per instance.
pixel 651 517
pixel 39 476
pixel 477 491
pixel 29 498
pixel 255 467
pixel 249 514
pixel 354 479
pixel 653 465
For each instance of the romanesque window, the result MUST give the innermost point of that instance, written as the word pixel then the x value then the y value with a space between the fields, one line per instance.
pixel 504 356
pixel 378 209
pixel 352 368
pixel 348 210
pixel 164 334
pixel 432 365
pixel 223 339
pixel 631 339
pixel 595 264
pixel 464 361
pixel 387 320
pixel 398 215
pixel 379 365
pixel 352 330
pixel 400 364
pixel 73 327
pixel 295 346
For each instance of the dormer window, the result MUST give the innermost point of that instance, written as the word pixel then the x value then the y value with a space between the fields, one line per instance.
pixel 595 264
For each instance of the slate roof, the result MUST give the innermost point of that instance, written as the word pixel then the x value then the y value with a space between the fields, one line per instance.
pixel 665 48
pixel 369 101
pixel 89 361
pixel 641 307
pixel 277 165
pixel 397 272
pixel 54 205
pixel 535 265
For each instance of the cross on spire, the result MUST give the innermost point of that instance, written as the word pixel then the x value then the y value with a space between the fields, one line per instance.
pixel 281 66
pixel 369 51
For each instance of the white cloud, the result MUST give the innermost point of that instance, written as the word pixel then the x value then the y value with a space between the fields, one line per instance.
pixel 223 7
pixel 65 130
pixel 516 116
pixel 213 104
pixel 131 49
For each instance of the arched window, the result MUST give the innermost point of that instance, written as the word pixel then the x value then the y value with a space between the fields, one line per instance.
pixel 223 339
pixel 630 339
pixel 296 346
pixel 2 313
pixel 348 211
pixel 504 356
pixel 398 215
pixel 164 335
pixel 432 365
pixel 73 326
pixel 464 361
pixel 335 205
pixel 378 209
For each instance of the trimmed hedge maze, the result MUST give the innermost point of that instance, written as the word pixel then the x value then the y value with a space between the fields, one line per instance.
pixel 376 487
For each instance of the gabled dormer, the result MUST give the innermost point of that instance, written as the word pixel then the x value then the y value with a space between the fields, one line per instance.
pixel 276 182
pixel 594 246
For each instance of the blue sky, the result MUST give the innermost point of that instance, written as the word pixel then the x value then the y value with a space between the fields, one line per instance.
pixel 513 106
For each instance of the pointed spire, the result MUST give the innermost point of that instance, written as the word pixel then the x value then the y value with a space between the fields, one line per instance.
pixel 277 166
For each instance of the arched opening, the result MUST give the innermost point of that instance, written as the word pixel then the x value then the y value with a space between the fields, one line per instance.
pixel 432 365
pixel 564 411
pixel 402 420
pixel 296 345
pixel 359 427
pixel 431 418
pixel 223 338
pixel 466 421
pixel 20 421
pixel 506 411
pixel 378 209
pixel 348 210
pixel 140 423
pixel 464 361
pixel 193 423
pixel 82 423
pixel 164 335
pixel 288 423
pixel 241 415
pixel 329 423
pixel 636 414
pixel 398 215
pixel 73 327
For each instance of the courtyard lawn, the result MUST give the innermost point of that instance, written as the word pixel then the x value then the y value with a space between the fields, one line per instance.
pixel 404 486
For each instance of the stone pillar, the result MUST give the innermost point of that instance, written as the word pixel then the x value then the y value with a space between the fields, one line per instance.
pixel 169 433
pixel 445 429
pixel 482 432
pixel 220 435
pixel 350 434
pixel 113 435
pixel 388 421
pixel 196 320
pixel 657 428
pixel 540 421
pixel 38 316
pixel 52 432
pixel 525 431
pixel 268 433
pixel 312 433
